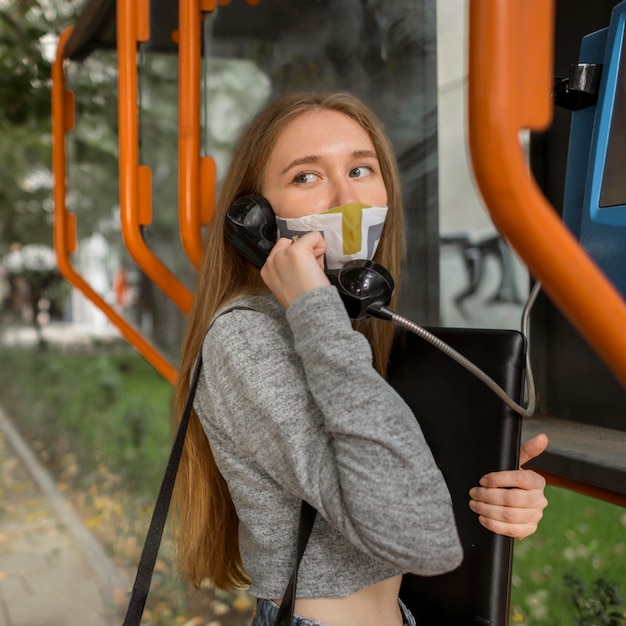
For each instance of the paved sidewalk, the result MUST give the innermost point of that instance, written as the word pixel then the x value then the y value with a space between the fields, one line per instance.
pixel 52 570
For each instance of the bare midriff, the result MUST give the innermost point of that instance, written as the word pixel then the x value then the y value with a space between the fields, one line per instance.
pixel 376 605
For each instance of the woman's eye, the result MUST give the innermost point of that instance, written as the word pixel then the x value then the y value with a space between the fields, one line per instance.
pixel 360 171
pixel 303 178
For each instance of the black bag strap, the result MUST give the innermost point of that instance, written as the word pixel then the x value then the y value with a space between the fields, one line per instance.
pixel 145 569
pixel 305 526
pixel 150 550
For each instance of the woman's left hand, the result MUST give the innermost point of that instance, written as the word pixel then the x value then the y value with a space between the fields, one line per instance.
pixel 511 502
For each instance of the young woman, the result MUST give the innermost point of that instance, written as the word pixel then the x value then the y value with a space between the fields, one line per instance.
pixel 292 402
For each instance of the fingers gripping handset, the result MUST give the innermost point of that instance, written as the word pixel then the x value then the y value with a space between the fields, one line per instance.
pixel 365 287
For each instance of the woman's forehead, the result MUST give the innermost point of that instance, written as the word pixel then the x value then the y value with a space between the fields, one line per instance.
pixel 321 130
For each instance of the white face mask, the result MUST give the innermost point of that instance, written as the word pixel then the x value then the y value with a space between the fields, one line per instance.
pixel 351 231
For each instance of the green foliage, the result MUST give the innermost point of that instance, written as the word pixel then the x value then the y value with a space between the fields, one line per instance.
pixel 85 411
pixel 25 73
pixel 602 605
pixel 577 534
pixel 28 30
pixel 25 204
pixel 25 181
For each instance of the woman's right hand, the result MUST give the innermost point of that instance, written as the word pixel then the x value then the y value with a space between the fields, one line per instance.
pixel 294 267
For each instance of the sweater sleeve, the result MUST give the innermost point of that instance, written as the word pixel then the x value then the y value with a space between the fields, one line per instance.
pixel 326 427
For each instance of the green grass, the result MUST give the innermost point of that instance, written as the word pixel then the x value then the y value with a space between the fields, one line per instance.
pixel 93 416
pixel 580 536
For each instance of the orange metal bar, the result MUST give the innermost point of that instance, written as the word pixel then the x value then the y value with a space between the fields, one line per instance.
pixel 64 229
pixel 591 491
pixel 135 187
pixel 196 174
pixel 510 71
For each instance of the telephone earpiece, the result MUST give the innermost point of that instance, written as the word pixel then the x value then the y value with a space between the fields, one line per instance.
pixel 365 287
pixel 251 228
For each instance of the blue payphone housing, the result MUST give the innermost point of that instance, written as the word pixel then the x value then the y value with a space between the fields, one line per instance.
pixel 595 186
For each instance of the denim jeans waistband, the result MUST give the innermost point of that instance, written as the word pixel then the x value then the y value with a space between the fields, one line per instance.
pixel 267 612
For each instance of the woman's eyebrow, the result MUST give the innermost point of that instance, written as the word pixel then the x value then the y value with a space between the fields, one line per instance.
pixel 313 158
pixel 364 154
pixel 305 160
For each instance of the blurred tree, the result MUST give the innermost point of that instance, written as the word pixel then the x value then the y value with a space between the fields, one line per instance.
pixel 24 124
pixel 24 81
pixel 26 27
pixel 28 32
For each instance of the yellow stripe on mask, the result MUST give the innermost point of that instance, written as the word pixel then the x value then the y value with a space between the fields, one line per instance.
pixel 351 219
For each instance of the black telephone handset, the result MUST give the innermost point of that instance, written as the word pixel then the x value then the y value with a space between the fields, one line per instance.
pixel 365 287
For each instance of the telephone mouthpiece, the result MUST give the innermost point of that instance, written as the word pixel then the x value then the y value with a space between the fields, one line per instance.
pixel 363 284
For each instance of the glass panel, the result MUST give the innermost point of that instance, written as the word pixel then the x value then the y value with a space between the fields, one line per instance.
pixel 483 284
pixel 158 149
pixel 383 52
pixel 93 195
pixel 93 191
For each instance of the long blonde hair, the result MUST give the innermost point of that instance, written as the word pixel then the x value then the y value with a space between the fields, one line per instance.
pixel 205 521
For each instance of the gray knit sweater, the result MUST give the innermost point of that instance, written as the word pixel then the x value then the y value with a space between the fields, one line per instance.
pixel 293 409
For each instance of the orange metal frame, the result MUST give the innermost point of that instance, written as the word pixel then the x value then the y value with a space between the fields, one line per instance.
pixel 64 228
pixel 591 491
pixel 136 179
pixel 196 174
pixel 510 72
